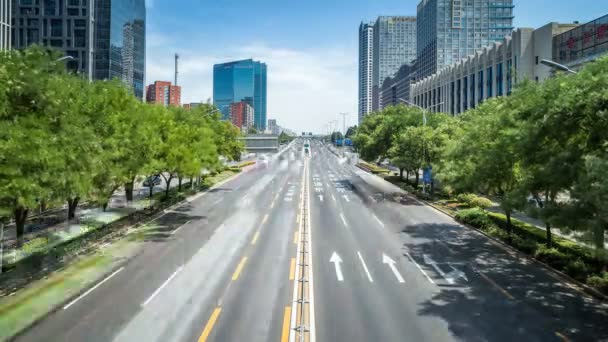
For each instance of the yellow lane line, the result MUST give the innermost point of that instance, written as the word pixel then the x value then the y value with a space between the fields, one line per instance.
pixel 503 291
pixel 562 336
pixel 255 237
pixel 292 269
pixel 286 323
pixel 265 219
pixel 210 324
pixel 295 237
pixel 298 218
pixel 239 268
pixel 272 204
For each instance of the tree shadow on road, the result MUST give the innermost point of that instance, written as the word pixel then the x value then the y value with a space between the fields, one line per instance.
pixel 506 296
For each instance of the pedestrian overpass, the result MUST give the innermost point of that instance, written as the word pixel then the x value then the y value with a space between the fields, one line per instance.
pixel 261 143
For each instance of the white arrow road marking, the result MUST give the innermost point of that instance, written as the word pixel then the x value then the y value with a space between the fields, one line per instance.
pixel 428 260
pixel 343 220
pixel 420 268
pixel 391 263
pixel 335 258
pixel 456 273
pixel 369 276
pixel 346 198
pixel 321 198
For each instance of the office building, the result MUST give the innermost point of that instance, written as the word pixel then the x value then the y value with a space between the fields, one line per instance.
pixel 366 49
pixel 241 115
pixel 450 30
pixel 106 42
pixel 238 81
pixel 273 127
pixel 67 26
pixel 492 71
pixel 394 43
pixel 582 44
pixel 397 88
pixel 120 42
pixel 5 25
pixel 162 92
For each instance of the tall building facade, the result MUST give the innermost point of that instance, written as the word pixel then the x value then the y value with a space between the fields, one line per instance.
pixel 241 115
pixel 64 25
pixel 273 127
pixel 163 93
pixel 493 71
pixel 394 43
pixel 5 25
pixel 397 88
pixel 366 59
pixel 450 30
pixel 106 38
pixel 238 81
pixel 120 42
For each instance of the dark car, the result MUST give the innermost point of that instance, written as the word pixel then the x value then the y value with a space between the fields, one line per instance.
pixel 152 181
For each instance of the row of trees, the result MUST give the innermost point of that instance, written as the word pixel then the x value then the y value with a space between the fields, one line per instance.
pixel 547 141
pixel 64 138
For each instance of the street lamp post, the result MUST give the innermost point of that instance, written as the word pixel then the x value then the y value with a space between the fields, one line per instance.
pixel 557 66
pixel 65 58
pixel 424 152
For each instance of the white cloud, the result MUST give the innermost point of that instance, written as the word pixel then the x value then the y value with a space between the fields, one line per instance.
pixel 306 88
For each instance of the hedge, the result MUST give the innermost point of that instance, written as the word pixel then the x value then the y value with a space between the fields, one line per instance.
pixel 578 261
pixel 372 168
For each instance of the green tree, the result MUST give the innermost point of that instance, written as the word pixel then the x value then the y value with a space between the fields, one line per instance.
pixel 351 131
pixel 30 152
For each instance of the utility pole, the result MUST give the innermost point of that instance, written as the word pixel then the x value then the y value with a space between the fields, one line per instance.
pixel 176 61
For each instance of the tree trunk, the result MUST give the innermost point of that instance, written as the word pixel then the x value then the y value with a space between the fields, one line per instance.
pixel 417 177
pixel 599 236
pixel 547 224
pixel 42 205
pixel 104 206
pixel 20 214
pixel 401 173
pixel 179 184
pixel 72 204
pixel 509 226
pixel 129 190
pixel 407 176
pixel 168 186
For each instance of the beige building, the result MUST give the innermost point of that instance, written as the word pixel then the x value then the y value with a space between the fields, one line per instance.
pixel 490 72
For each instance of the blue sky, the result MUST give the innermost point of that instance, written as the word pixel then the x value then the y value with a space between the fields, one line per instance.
pixel 310 46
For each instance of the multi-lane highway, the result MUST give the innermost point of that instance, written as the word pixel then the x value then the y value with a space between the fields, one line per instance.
pixel 310 248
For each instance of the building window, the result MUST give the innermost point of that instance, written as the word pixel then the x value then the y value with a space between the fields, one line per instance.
pixel 536 60
pixel 465 91
pixel 499 86
pixel 472 81
pixel 480 86
pixel 489 78
pixel 458 96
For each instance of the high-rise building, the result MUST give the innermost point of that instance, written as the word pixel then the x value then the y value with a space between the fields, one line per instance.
pixel 394 43
pixel 120 42
pixel 67 26
pixel 241 115
pixel 106 42
pixel 241 81
pixel 273 127
pixel 366 49
pixel 450 30
pixel 5 25
pixel 162 92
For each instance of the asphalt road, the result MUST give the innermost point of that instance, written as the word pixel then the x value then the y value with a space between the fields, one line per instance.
pixel 385 268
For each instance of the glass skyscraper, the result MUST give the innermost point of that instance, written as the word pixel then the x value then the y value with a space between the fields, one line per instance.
pixel 120 42
pixel 366 66
pixel 106 42
pixel 238 81
pixel 394 44
pixel 450 30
